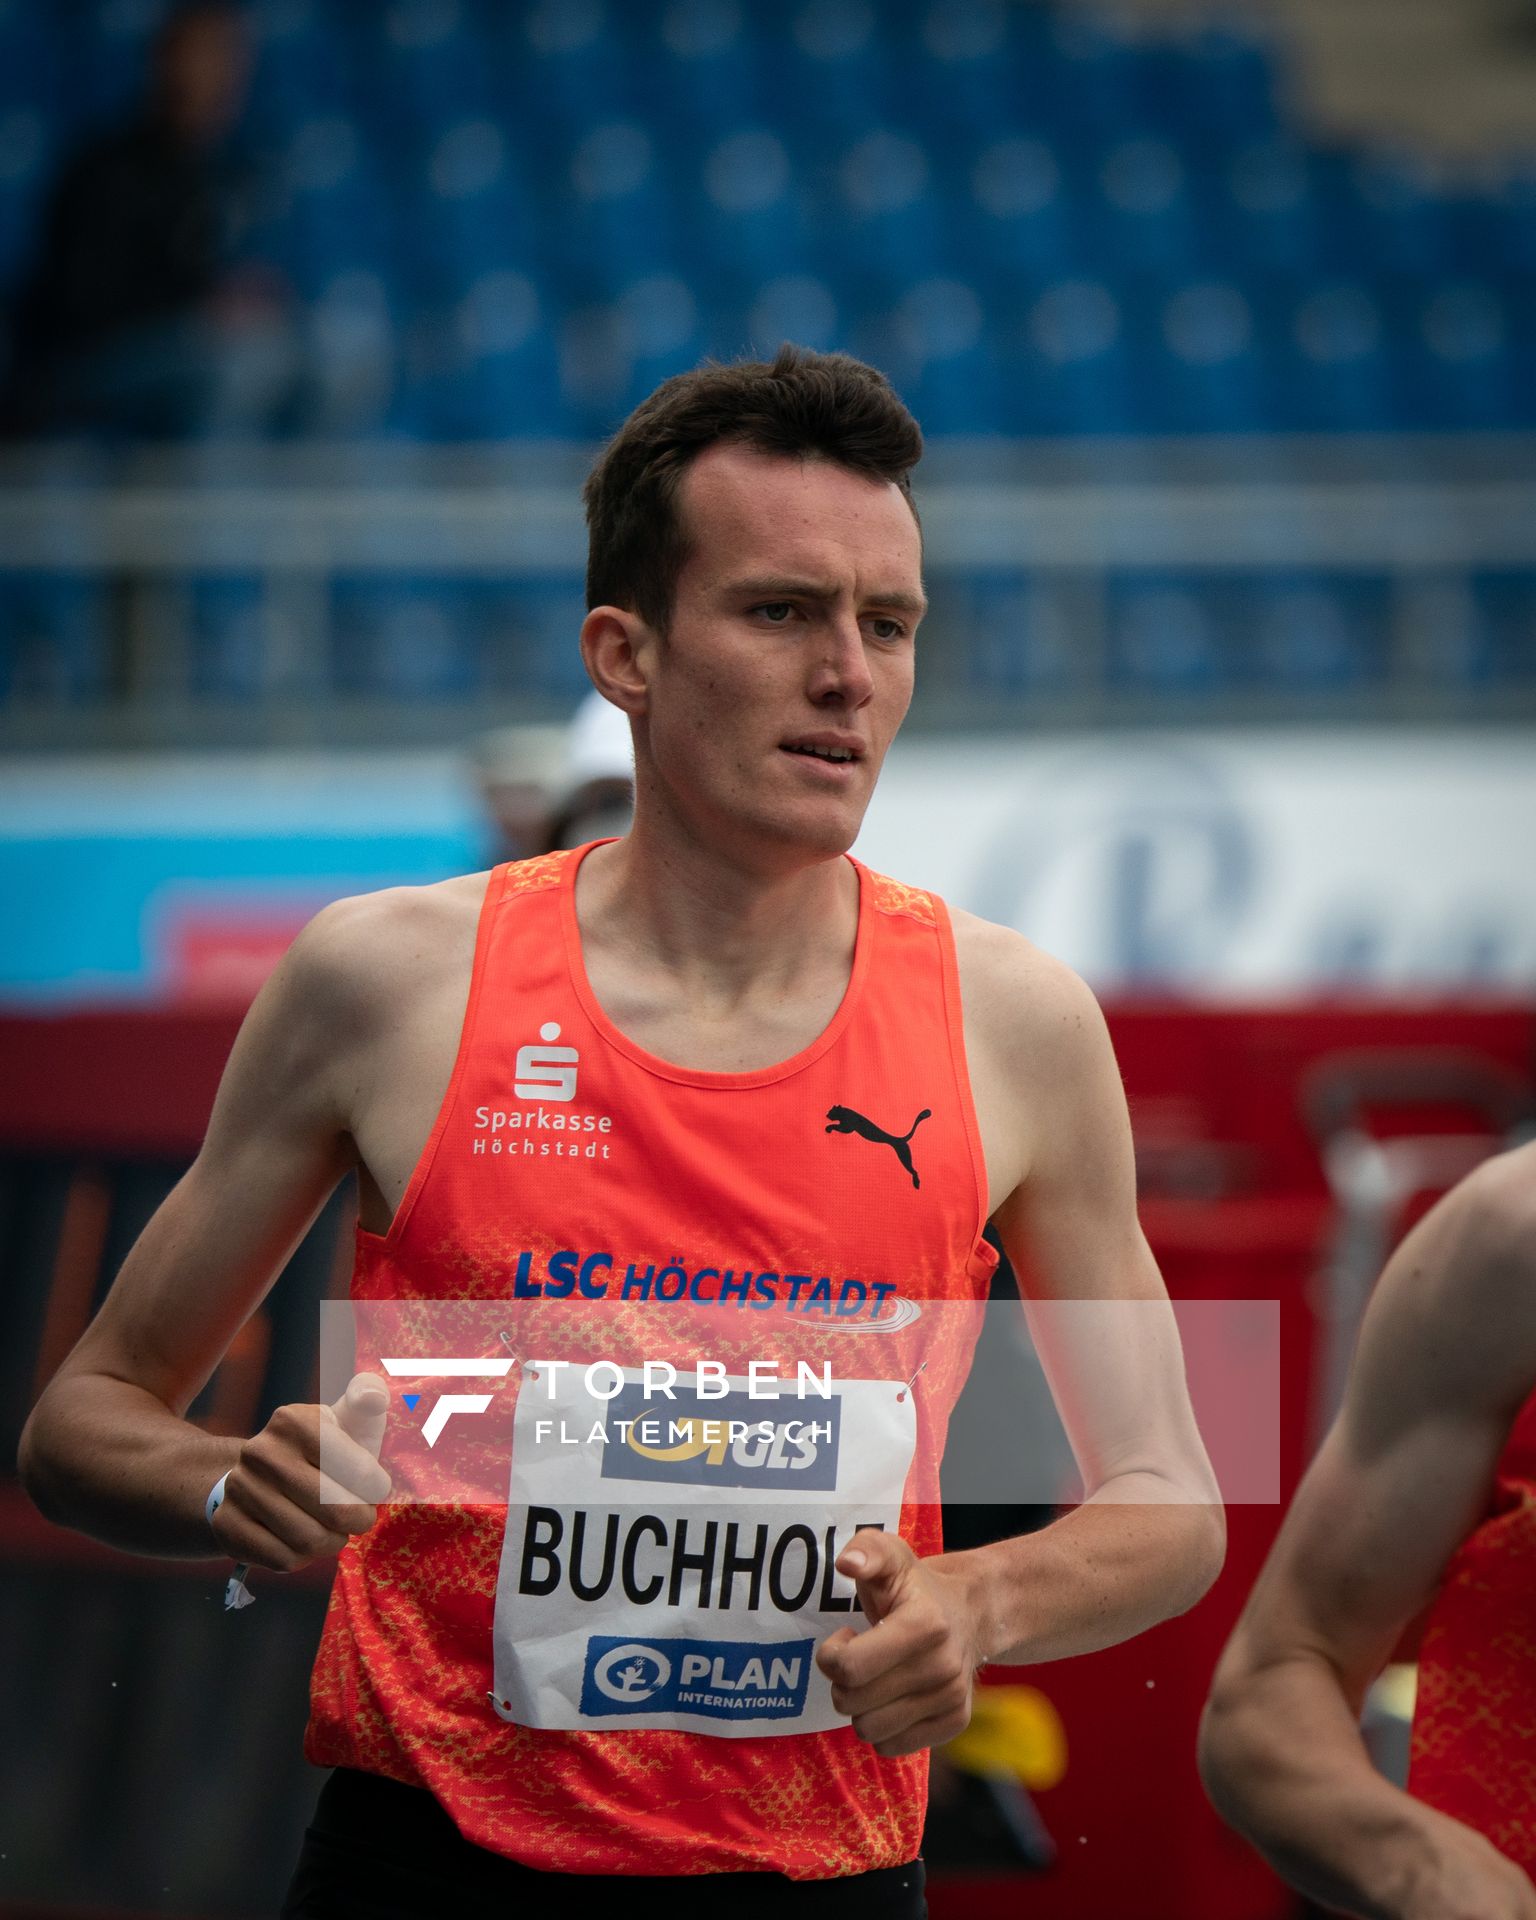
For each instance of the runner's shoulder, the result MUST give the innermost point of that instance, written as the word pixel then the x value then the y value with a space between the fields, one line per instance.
pixel 1023 999
pixel 1455 1315
pixel 366 954
pixel 1487 1228
pixel 1501 1195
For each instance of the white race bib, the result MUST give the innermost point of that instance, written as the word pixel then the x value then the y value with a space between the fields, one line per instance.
pixel 669 1562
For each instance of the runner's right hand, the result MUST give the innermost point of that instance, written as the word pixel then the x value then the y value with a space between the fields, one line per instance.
pixel 279 1509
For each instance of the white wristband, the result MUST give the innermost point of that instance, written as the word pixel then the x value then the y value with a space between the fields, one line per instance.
pixel 216 1497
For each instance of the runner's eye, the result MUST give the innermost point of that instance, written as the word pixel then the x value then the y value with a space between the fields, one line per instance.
pixel 774 608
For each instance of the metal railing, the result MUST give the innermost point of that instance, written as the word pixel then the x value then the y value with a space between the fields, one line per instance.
pixel 1016 537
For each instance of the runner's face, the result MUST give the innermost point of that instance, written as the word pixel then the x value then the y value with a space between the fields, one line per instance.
pixel 792 627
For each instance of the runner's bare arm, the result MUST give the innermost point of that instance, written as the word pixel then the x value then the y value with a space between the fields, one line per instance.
pixel 1149 1538
pixel 1446 1357
pixel 107 1449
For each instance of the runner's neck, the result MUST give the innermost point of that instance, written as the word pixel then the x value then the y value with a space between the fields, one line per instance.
pixel 724 935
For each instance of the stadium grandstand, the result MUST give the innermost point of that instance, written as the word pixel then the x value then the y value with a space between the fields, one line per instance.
pixel 1223 409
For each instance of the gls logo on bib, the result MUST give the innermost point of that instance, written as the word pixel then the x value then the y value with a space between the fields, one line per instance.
pixel 736 1440
pixel 546 1073
pixel 721 1679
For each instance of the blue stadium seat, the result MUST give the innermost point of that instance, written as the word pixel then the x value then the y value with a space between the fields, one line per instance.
pixel 1329 345
pixel 1068 356
pixel 506 328
pixel 1089 81
pixel 742 203
pixel 748 313
pixel 1260 203
pixel 227 639
pixel 529 636
pixel 1143 209
pixel 952 76
pixel 703 64
pixel 826 64
pixel 608 217
pixel 1383 211
pixel 1017 635
pixel 53 639
pixel 1197 352
pixel 660 325
pixel 1164 635
pixel 1015 206
pixel 593 58
pixel 1503 631
pixel 938 347
pixel 1214 84
pixel 881 214
pixel 1318 634
pixel 333 216
pixel 405 641
pixel 1460 351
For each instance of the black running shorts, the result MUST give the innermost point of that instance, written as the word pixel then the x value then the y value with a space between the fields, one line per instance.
pixel 377 1850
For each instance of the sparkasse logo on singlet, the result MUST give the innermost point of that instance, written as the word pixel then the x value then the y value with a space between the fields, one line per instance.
pixel 544 1075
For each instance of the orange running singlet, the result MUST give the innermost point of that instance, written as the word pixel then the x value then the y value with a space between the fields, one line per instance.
pixel 588 1691
pixel 1474 1726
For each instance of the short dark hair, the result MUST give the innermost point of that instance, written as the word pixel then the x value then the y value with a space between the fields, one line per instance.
pixel 825 406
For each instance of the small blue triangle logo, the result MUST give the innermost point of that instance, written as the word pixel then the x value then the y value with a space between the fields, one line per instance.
pixel 410 1400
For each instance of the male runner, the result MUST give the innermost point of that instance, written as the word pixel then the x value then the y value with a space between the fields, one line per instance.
pixel 712 987
pixel 1425 1487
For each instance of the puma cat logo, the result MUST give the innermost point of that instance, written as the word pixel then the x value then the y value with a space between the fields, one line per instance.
pixel 845 1120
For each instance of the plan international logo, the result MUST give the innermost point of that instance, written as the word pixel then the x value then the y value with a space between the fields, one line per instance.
pixel 716 1679
pixel 545 1075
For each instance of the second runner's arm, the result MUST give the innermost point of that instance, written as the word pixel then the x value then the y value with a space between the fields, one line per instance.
pixel 1446 1356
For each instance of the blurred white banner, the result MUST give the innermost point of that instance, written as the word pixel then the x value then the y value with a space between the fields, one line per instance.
pixel 1233 863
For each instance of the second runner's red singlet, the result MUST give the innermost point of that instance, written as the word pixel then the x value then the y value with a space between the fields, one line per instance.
pixel 1474 1724
pixel 644 1702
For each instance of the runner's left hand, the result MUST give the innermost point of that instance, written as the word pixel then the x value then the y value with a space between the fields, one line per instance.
pixel 906 1680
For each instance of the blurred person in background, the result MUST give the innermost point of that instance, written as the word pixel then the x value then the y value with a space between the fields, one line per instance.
pixel 1424 1491
pixel 136 319
pixel 550 787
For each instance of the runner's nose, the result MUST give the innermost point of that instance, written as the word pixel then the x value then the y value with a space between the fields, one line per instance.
pixel 841 675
